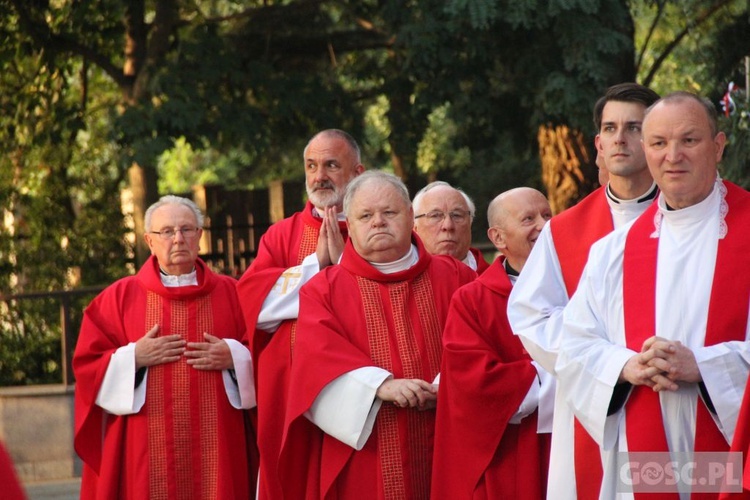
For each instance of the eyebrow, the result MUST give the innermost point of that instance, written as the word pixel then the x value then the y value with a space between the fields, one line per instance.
pixel 630 122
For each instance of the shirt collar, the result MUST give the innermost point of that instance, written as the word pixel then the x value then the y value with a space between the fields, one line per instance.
pixel 171 281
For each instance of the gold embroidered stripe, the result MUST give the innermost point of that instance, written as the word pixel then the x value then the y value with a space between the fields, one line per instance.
pixel 208 454
pixel 154 411
pixel 308 244
pixel 389 447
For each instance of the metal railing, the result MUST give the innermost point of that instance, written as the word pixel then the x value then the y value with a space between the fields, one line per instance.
pixel 67 335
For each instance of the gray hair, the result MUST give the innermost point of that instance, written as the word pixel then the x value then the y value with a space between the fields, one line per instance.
pixel 374 177
pixel 334 132
pixel 171 199
pixel 420 194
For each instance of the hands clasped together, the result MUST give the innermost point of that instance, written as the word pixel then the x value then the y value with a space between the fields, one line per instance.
pixel 330 240
pixel 408 393
pixel 661 364
pixel 213 354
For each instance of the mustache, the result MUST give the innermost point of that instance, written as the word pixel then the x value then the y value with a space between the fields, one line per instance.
pixel 324 185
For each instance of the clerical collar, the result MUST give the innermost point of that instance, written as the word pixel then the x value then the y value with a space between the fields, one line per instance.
pixel 172 281
pixel 512 273
pixel 402 264
pixel 339 215
pixel 624 211
pixel 509 269
pixel 650 195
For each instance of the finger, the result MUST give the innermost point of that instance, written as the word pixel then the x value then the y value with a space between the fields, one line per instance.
pixel 409 395
pixel 175 337
pixel 199 346
pixel 200 364
pixel 660 364
pixel 168 359
pixel 651 341
pixel 662 383
pixel 211 339
pixel 153 332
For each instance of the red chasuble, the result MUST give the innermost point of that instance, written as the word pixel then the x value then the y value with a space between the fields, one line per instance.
pixel 187 441
pixel 352 316
pixel 573 233
pixel 727 320
pixel 284 245
pixel 9 484
pixel 485 376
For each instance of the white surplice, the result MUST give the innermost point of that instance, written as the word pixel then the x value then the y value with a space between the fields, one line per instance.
pixel 593 350
pixel 535 310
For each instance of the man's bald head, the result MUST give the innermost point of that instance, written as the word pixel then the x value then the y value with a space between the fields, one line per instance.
pixel 516 218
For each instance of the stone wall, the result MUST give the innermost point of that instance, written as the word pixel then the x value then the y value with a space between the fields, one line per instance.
pixel 36 424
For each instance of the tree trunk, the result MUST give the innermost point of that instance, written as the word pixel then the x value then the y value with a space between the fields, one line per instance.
pixel 144 192
pixel 144 51
pixel 568 171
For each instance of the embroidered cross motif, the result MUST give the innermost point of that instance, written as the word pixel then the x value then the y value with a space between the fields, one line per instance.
pixel 288 281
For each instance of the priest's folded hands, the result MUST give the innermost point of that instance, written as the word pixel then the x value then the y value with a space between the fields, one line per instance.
pixel 408 393
pixel 661 364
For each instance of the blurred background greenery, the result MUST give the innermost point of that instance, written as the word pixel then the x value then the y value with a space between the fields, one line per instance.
pixel 148 97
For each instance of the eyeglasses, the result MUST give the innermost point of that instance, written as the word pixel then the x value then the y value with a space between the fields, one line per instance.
pixel 436 217
pixel 188 233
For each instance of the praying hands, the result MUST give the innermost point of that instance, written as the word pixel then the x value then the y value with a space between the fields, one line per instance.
pixel 661 364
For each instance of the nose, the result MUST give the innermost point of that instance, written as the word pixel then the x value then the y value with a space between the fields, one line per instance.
pixel 539 222
pixel 320 175
pixel 620 136
pixel 178 235
pixel 447 223
pixel 673 152
pixel 378 219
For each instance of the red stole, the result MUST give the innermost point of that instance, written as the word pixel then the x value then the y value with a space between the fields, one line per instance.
pixel 573 232
pixel 727 318
pixel 741 443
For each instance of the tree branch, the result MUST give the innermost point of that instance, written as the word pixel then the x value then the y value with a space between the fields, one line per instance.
pixel 651 30
pixel 674 43
pixel 58 44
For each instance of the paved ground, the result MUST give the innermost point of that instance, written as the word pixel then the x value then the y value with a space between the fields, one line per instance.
pixel 54 490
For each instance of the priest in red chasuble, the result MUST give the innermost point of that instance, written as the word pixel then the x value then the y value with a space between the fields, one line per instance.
pixel 442 219
pixel 290 253
pixel 361 406
pixel 162 375
pixel 494 412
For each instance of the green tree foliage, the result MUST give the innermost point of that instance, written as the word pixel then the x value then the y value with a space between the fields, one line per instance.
pixel 102 94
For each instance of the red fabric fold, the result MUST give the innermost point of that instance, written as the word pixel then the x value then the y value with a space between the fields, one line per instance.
pixel 485 376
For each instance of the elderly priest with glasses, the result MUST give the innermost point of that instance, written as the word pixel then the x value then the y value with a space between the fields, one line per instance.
pixel 162 374
pixel 442 219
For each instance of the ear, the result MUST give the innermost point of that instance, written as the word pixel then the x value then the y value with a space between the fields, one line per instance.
pixel 497 237
pixel 720 140
pixel 597 143
pixel 149 241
